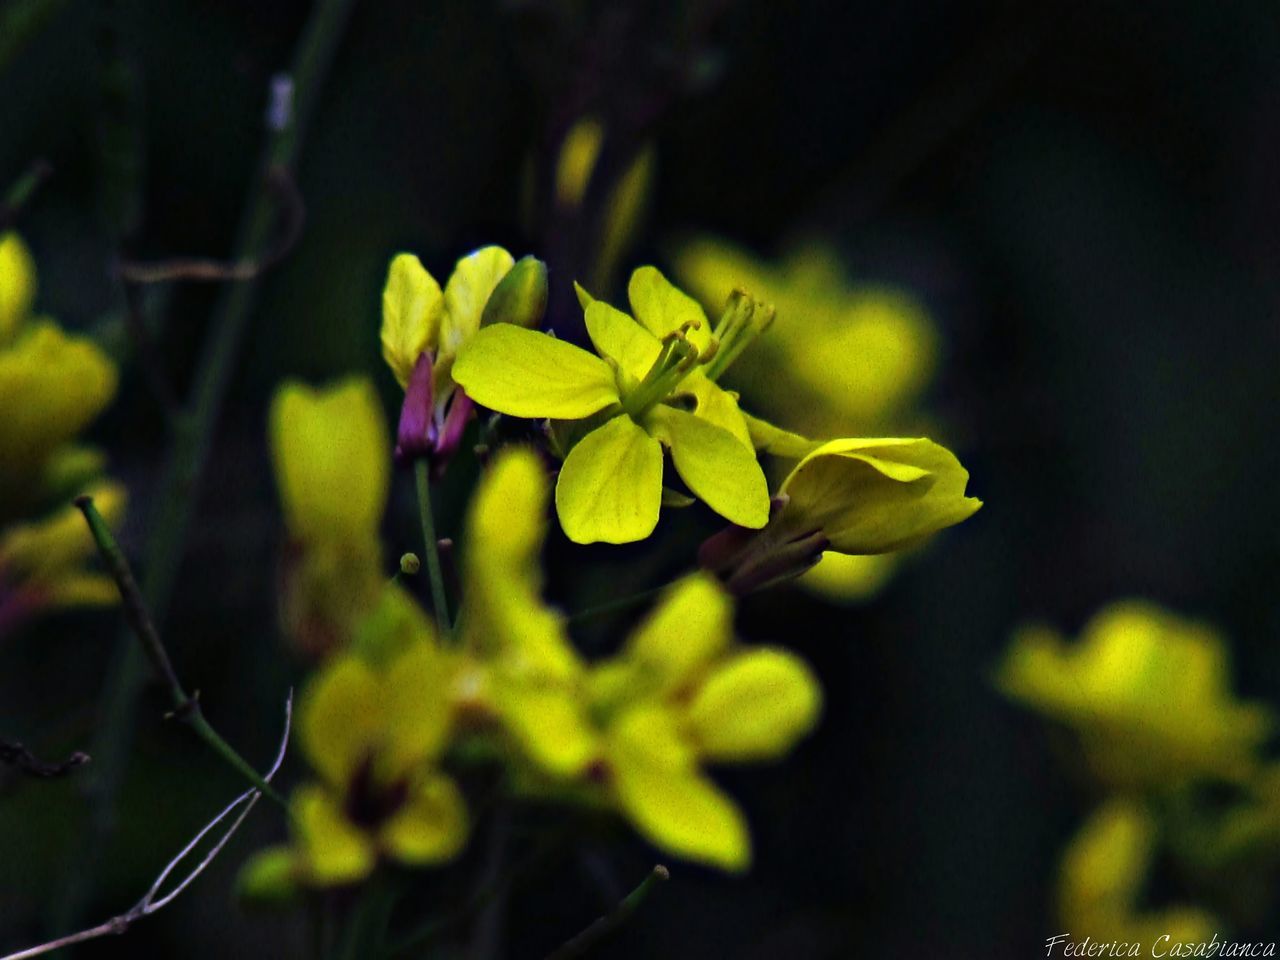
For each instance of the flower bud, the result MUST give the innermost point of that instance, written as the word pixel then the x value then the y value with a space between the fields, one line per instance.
pixel 521 296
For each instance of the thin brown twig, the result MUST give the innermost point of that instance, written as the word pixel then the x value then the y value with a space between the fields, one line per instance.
pixel 152 900
pixel 293 214
pixel 15 755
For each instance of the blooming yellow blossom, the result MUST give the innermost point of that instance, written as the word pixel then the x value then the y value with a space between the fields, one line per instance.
pixel 332 464
pixel 1103 875
pixel 633 731
pixel 423 328
pixel 374 735
pixel 651 387
pixel 1147 692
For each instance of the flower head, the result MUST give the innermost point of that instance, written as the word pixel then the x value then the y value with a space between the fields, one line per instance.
pixel 423 328
pixel 1147 693
pixel 332 463
pixel 651 387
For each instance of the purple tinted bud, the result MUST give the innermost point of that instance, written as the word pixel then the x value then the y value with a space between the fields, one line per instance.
pixel 416 434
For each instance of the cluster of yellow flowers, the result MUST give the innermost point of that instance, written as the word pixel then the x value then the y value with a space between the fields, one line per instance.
pixel 1147 698
pixel 52 386
pixel 399 699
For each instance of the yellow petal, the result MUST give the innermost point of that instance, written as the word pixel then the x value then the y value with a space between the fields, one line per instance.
pixel 52 386
pixel 415 710
pixel 528 374
pixel 717 466
pixel 877 495
pixel 578 155
pixel 17 285
pixel 394 623
pixel 334 850
pixel 332 459
pixel 691 625
pixel 341 718
pixel 781 443
pixel 432 824
pixel 846 578
pixel 470 285
pixel 503 613
pixel 412 308
pixel 670 802
pixel 755 706
pixel 663 309
pixel 618 337
pixel 548 722
pixel 610 487
pixel 44 549
pixel 718 406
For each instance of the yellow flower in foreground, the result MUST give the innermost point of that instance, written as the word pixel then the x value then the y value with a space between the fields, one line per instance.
pixel 423 328
pixel 1104 872
pixel 42 562
pixel 1148 694
pixel 17 284
pixel 633 731
pixel 332 464
pixel 374 735
pixel 652 387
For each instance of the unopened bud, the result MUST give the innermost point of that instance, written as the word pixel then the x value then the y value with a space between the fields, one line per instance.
pixel 410 564
pixel 521 297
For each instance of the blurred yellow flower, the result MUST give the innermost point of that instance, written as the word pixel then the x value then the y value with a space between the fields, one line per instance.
pixel 374 736
pixel 651 387
pixel 52 386
pixel 1147 693
pixel 632 731
pixel 332 464
pixel 1104 872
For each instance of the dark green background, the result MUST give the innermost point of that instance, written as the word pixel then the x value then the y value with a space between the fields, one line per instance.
pixel 1084 195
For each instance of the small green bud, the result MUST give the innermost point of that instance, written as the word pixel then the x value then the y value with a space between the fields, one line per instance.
pixel 410 564
pixel 521 297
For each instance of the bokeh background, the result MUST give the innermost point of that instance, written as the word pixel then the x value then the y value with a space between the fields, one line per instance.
pixel 1085 198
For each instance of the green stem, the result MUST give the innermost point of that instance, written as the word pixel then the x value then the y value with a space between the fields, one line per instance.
pixel 435 572
pixel 605 926
pixel 186 708
pixel 21 192
pixel 623 603
pixel 193 431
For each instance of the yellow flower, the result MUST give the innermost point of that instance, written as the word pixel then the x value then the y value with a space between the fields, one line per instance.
pixel 852 496
pixel 423 328
pixel 652 387
pixel 332 464
pixel 1148 694
pixel 374 735
pixel 845 359
pixel 42 562
pixel 1104 872
pixel 633 731
pixel 17 285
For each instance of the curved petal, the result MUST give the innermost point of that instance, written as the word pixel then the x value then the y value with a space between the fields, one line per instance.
pixel 412 306
pixel 722 472
pixel 332 459
pixel 716 405
pixel 690 626
pixel 755 706
pixel 472 282
pixel 334 850
pixel 528 374
pixel 431 826
pixel 610 487
pixel 415 705
pixel 662 309
pixel 668 799
pixel 618 337
pixel 340 719
pixel 877 495
pixel 548 722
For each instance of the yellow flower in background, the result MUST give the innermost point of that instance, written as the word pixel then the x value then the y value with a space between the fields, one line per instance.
pixel 423 328
pixel 1104 872
pixel 650 388
pixel 633 731
pixel 43 561
pixel 845 359
pixel 1148 694
pixel 374 735
pixel 331 456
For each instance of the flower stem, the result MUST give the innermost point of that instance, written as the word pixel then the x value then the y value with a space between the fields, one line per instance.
pixel 605 926
pixel 435 572
pixel 185 707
